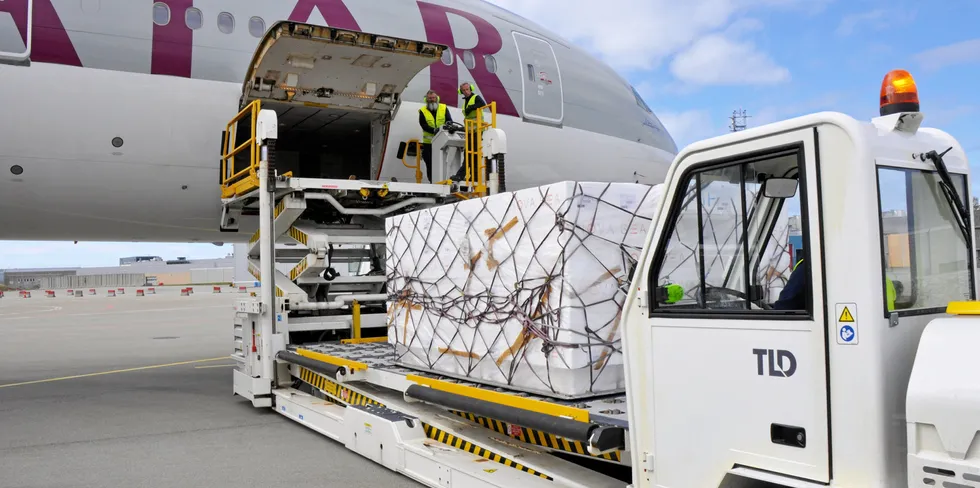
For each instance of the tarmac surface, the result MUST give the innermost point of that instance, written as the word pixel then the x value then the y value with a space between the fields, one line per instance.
pixel 99 391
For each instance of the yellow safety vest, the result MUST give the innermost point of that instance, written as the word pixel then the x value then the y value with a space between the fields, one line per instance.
pixel 471 103
pixel 890 294
pixel 434 121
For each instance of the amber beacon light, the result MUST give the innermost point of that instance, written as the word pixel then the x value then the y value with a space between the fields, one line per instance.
pixel 898 93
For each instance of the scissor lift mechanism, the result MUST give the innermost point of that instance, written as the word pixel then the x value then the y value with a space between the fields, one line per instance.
pixel 439 431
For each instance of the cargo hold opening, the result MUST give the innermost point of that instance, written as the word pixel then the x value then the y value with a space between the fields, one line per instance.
pixel 317 142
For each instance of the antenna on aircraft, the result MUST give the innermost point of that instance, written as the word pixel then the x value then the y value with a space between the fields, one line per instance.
pixel 738 120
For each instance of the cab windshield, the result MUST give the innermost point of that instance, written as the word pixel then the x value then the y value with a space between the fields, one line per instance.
pixel 926 255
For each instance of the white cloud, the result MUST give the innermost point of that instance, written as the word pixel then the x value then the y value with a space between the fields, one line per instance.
pixel 691 125
pixel 718 60
pixel 952 54
pixel 877 19
pixel 47 254
pixel 641 34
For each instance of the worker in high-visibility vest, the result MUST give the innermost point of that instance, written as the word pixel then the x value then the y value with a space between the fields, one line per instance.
pixel 432 116
pixel 793 297
pixel 472 103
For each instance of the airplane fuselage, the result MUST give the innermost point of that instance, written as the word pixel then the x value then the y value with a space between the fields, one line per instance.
pixel 112 133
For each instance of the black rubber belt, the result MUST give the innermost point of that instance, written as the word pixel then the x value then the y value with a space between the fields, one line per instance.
pixel 312 364
pixel 559 426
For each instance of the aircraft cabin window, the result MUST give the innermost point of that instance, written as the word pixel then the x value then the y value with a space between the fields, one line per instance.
pixel 447 56
pixel 491 63
pixel 194 18
pixel 226 23
pixel 735 242
pixel 256 26
pixel 161 13
pixel 469 60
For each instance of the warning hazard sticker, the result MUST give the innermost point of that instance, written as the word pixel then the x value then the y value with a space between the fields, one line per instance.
pixel 847 324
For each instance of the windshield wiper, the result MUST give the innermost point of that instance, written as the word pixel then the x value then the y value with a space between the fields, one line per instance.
pixel 949 191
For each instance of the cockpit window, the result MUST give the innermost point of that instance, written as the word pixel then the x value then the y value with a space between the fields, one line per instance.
pixel 639 101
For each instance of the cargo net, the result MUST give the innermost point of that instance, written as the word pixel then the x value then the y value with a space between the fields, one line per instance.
pixel 722 233
pixel 526 289
pixel 521 289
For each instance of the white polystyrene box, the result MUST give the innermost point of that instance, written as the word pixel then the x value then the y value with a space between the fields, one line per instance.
pixel 522 289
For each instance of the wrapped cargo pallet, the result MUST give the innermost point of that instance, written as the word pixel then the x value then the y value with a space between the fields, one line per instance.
pixel 520 289
pixel 524 289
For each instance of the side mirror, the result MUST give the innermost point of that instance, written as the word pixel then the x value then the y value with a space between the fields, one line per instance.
pixel 779 187
pixel 401 149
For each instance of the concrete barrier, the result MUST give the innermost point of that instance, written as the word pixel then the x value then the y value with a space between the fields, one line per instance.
pixel 121 291
pixel 71 292
pixel 25 294
pixel 91 291
pixel 111 293
pixel 78 293
pixel 242 289
pixel 151 291
pixel 49 293
pixel 139 293
pixel 185 292
pixel 217 289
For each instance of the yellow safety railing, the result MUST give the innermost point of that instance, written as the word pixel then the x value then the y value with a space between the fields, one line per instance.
pixel 418 158
pixel 244 180
pixel 476 178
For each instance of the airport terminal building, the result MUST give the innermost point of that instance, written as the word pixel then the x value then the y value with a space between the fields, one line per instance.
pixel 135 271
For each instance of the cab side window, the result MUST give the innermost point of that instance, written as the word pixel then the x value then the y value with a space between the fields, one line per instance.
pixel 735 239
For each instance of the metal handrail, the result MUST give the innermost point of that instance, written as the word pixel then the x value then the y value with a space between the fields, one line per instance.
pixel 473 156
pixel 418 158
pixel 228 176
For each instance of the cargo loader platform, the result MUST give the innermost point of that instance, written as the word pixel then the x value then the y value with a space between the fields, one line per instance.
pixel 434 428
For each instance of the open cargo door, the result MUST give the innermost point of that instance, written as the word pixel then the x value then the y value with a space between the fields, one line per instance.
pixel 334 91
pixel 16 19
pixel 307 65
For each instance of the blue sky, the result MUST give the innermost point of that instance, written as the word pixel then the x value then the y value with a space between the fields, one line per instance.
pixel 695 61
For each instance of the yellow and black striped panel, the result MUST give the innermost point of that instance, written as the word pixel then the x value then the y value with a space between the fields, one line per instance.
pixel 298 270
pixel 444 437
pixel 280 208
pixel 255 238
pixel 255 272
pixel 537 437
pixel 343 394
pixel 299 235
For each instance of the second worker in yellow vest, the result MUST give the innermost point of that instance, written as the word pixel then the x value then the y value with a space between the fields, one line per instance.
pixel 472 103
pixel 432 116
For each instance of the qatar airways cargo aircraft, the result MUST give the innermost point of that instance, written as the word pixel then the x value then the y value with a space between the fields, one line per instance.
pixel 111 111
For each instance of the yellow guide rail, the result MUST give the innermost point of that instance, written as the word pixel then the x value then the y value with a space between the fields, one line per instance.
pixel 476 173
pixel 235 181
